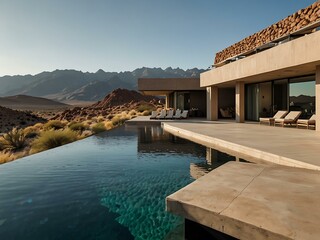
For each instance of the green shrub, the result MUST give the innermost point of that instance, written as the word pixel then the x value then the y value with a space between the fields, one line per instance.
pixel 77 127
pixel 117 120
pixel 144 107
pixel 14 140
pixel 54 124
pixel 52 139
pixel 99 127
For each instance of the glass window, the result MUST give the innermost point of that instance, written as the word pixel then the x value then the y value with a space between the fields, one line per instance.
pixel 302 96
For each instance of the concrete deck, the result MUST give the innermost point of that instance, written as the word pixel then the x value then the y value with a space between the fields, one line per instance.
pixel 284 146
pixel 251 201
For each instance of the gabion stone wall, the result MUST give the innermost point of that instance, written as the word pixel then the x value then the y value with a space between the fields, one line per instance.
pixel 290 24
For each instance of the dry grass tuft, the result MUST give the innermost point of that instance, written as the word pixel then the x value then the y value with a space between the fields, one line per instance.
pixel 52 139
pixel 99 127
pixel 108 125
pixel 54 124
pixel 146 113
pixel 13 140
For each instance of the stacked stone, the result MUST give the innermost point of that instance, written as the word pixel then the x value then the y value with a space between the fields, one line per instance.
pixel 296 21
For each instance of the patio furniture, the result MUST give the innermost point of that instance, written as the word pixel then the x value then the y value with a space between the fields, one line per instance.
pixel 184 114
pixel 169 115
pixel 153 115
pixel 270 121
pixel 227 112
pixel 291 118
pixel 162 115
pixel 307 122
pixel 178 114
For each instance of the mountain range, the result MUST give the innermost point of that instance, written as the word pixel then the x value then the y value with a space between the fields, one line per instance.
pixel 72 85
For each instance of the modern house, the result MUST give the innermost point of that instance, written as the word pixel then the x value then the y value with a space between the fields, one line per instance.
pixel 277 68
pixel 180 93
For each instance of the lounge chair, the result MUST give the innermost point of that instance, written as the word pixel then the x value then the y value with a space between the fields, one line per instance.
pixel 153 115
pixel 270 121
pixel 184 114
pixel 291 118
pixel 178 114
pixel 162 115
pixel 169 115
pixel 307 122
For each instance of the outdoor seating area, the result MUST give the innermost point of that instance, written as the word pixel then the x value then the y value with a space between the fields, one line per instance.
pixel 284 118
pixel 170 114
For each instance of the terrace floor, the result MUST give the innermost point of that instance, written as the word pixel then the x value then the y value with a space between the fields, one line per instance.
pixel 285 146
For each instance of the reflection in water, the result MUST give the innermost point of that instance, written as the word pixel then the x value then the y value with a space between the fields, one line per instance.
pixel 155 140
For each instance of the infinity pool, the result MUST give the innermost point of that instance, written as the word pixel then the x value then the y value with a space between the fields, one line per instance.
pixel 110 186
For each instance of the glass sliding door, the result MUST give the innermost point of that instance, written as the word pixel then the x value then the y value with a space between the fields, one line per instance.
pixel 182 100
pixel 252 102
pixel 302 96
pixel 280 95
pixel 265 99
pixel 258 100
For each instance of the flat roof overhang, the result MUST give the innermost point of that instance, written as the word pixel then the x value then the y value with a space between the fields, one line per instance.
pixel 163 86
pixel 291 59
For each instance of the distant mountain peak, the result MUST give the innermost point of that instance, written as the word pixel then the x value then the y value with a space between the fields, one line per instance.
pixel 85 86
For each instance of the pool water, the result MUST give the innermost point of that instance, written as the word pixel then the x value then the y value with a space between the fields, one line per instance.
pixel 109 186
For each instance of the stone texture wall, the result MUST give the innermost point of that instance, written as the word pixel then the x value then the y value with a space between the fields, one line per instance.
pixel 282 28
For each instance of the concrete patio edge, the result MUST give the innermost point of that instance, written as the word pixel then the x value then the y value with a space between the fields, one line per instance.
pixel 252 152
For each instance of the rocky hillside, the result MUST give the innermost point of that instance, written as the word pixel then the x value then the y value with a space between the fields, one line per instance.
pixel 65 85
pixel 11 118
pixel 24 102
pixel 123 96
pixel 115 102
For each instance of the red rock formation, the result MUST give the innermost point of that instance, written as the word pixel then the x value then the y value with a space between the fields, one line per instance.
pixel 123 96
pixel 117 101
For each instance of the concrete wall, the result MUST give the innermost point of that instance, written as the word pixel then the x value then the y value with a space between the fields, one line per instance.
pixel 169 84
pixel 295 58
pixel 318 99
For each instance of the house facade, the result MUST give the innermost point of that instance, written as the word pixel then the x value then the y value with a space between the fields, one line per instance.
pixel 275 69
pixel 180 93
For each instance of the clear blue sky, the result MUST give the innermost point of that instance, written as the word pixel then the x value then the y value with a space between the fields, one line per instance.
pixel 119 35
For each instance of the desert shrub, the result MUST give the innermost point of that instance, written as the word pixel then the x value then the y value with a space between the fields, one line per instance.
pixel 38 125
pixel 116 120
pixel 71 123
pixel 110 116
pixel 144 107
pixel 78 127
pixel 31 132
pixel 54 124
pixel 133 113
pixel 124 116
pixel 14 140
pixel 100 119
pixel 99 127
pixel 87 122
pixel 5 157
pixel 52 139
pixel 108 125
pixel 146 113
